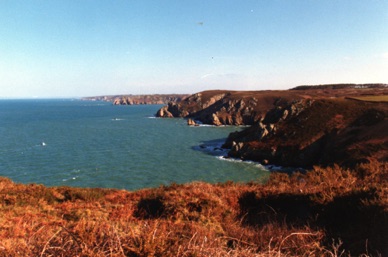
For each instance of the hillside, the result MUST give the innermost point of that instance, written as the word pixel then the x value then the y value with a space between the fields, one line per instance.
pixel 316 132
pixel 326 212
pixel 345 124
pixel 222 107
pixel 341 86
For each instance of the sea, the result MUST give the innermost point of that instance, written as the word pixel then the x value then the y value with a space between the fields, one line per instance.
pixel 71 142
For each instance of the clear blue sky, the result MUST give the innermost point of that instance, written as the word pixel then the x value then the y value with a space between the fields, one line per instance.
pixel 66 48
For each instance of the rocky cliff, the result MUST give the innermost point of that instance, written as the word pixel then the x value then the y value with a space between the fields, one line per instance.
pixel 227 107
pixel 139 99
pixel 301 127
pixel 315 132
pixel 222 107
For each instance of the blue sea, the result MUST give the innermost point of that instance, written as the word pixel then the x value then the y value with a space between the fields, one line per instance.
pixel 95 144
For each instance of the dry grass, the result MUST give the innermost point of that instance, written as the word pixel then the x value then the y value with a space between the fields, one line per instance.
pixel 372 98
pixel 326 212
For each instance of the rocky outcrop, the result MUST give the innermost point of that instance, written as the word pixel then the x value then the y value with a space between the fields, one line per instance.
pixel 297 128
pixel 192 122
pixel 226 107
pixel 147 99
pixel 222 107
pixel 139 99
pixel 164 113
pixel 315 132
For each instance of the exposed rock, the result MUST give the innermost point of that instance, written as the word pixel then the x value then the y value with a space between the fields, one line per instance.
pixel 300 128
pixel 228 107
pixel 320 132
pixel 164 113
pixel 216 121
pixel 212 100
pixel 139 99
pixel 117 101
pixel 191 122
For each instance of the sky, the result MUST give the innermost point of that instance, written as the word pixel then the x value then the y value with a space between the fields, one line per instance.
pixel 75 48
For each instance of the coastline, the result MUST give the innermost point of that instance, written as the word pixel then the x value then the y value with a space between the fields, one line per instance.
pixel 323 211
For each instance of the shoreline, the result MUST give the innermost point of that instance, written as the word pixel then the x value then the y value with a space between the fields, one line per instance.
pixel 321 212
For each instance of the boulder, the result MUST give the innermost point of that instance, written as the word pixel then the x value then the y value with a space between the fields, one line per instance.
pixel 191 122
pixel 164 113
pixel 215 120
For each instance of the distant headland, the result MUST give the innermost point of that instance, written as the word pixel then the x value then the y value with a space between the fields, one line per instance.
pixel 138 99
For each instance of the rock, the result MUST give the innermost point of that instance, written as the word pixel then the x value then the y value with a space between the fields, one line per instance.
pixel 285 114
pixel 191 122
pixel 221 107
pixel 308 132
pixel 164 113
pixel 263 132
pixel 216 120
pixel 116 101
pixel 212 100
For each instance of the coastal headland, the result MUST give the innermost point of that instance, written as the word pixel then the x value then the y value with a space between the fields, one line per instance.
pixel 336 206
pixel 321 125
pixel 138 99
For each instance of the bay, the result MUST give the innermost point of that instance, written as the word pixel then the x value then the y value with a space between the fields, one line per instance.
pixel 95 144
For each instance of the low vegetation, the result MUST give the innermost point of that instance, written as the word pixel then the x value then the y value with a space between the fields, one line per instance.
pixel 372 98
pixel 324 212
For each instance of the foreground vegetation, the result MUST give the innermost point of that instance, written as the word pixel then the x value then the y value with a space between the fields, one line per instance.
pixel 372 98
pixel 325 212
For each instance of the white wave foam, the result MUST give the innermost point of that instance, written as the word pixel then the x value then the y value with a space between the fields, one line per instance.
pixel 88 105
pixel 265 167
pixel 72 175
pixel 42 144
pixel 71 178
pixel 229 159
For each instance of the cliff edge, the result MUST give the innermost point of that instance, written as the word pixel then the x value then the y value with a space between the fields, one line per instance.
pixel 139 99
pixel 305 126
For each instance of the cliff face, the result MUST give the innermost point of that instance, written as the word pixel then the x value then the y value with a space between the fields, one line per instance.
pixel 139 99
pixel 222 107
pixel 227 107
pixel 147 99
pixel 306 126
pixel 315 132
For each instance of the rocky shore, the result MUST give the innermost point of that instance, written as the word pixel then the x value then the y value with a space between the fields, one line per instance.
pixel 302 127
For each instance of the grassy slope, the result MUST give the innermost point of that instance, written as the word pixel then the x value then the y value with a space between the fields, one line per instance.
pixel 316 214
pixel 373 98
